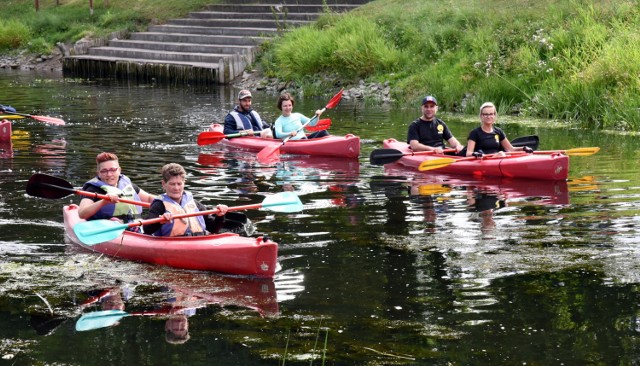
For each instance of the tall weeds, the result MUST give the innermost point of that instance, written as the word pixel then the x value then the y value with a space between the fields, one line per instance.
pixel 575 60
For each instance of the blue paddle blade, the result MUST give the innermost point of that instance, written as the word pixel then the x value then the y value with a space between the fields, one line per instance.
pixel 99 319
pixel 283 202
pixel 98 231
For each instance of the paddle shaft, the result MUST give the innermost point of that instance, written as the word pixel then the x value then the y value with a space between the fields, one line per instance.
pixel 47 119
pixel 578 151
pixel 191 214
pixel 443 162
pixel 95 195
pixel 387 156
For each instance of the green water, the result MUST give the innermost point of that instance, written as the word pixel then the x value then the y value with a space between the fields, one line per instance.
pixel 383 267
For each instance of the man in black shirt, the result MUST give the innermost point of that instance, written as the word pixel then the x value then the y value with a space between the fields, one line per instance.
pixel 429 133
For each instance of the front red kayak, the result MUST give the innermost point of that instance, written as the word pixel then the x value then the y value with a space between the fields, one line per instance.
pixel 554 166
pixel 224 253
pixel 347 146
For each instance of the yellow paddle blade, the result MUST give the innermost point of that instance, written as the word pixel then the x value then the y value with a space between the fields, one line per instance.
pixel 10 116
pixel 582 151
pixel 431 189
pixel 435 164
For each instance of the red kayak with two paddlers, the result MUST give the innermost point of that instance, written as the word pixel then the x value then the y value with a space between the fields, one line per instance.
pixel 542 165
pixel 225 253
pixel 347 146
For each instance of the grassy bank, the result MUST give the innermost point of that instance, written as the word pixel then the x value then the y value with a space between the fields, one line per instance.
pixel 21 27
pixel 576 61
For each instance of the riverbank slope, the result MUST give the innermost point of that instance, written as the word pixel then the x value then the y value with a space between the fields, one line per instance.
pixel 575 61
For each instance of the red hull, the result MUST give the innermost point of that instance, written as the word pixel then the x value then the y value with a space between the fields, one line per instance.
pixel 5 131
pixel 225 253
pixel 530 166
pixel 347 146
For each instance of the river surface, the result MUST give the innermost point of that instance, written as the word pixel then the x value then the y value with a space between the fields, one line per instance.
pixel 383 266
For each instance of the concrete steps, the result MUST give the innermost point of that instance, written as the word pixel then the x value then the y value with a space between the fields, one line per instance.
pixel 214 45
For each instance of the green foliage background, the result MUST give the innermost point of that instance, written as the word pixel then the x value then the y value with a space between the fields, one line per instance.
pixel 576 61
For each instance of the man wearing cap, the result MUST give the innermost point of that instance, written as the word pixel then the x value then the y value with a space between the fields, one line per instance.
pixel 243 119
pixel 428 133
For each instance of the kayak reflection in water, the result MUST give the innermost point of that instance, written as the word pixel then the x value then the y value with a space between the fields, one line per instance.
pixel 485 204
pixel 428 197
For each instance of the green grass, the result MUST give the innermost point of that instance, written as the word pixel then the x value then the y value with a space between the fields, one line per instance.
pixel 71 20
pixel 571 60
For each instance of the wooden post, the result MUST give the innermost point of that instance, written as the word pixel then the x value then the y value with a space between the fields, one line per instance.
pixel 90 7
pixel 37 5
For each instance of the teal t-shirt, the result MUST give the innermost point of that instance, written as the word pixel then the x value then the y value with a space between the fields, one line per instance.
pixel 285 125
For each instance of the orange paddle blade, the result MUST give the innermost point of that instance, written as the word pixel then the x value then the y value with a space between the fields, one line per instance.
pixel 335 100
pixel 321 125
pixel 269 155
pixel 210 137
pixel 50 120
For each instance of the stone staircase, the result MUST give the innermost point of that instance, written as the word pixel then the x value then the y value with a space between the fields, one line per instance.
pixel 212 46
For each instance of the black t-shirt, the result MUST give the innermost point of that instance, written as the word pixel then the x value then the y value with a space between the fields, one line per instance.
pixel 430 133
pixel 489 143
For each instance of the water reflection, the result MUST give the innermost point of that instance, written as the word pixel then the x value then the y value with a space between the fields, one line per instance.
pixel 380 260
pixel 181 299
pixel 6 150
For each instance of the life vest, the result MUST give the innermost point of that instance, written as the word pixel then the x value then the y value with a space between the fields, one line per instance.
pixel 187 226
pixel 252 121
pixel 125 211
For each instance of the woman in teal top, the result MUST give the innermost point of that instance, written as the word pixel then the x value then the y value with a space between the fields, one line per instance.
pixel 290 123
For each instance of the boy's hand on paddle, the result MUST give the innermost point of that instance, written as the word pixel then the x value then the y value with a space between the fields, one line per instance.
pixel 222 210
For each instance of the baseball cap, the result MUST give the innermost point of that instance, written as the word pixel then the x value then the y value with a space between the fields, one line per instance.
pixel 429 98
pixel 244 94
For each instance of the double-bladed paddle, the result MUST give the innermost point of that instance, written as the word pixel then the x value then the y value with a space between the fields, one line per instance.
pixel 48 186
pixel 443 162
pixel 213 137
pixel 387 156
pixel 99 231
pixel 531 141
pixel 46 119
pixel 578 151
pixel 271 153
pixel 107 318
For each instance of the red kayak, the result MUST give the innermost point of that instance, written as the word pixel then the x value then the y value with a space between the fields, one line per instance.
pixel 224 253
pixel 347 146
pixel 5 130
pixel 552 166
